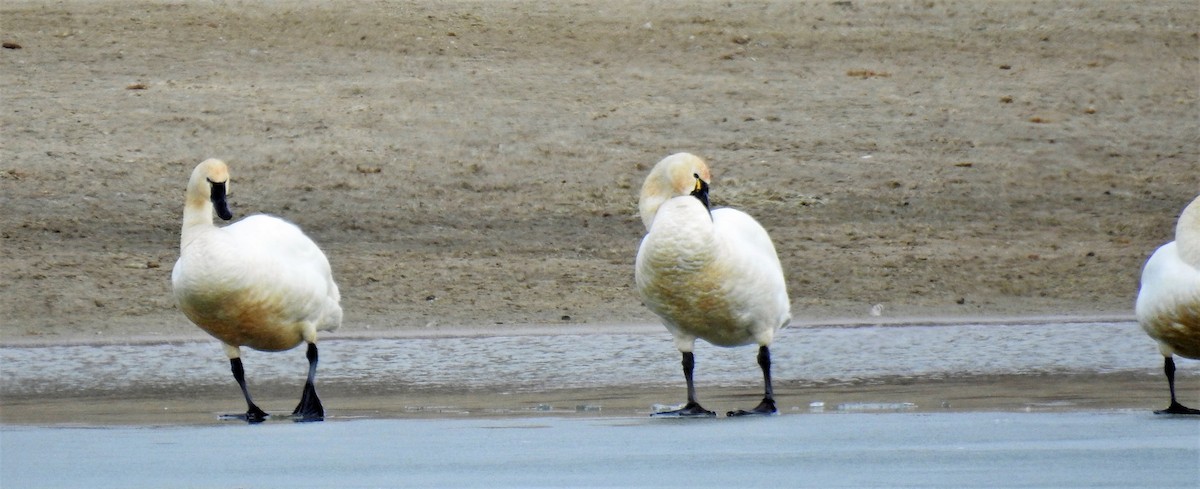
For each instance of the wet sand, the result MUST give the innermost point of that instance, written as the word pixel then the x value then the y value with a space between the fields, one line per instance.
pixel 1048 393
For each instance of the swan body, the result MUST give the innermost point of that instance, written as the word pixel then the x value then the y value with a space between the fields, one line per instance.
pixel 1168 302
pixel 259 283
pixel 708 274
pixel 717 279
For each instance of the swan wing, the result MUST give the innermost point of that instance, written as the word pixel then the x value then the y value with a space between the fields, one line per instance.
pixel 759 275
pixel 749 238
pixel 293 265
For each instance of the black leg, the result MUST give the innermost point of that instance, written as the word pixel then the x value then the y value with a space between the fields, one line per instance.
pixel 253 413
pixel 692 409
pixel 1175 407
pixel 310 408
pixel 767 406
pixel 689 365
pixel 764 362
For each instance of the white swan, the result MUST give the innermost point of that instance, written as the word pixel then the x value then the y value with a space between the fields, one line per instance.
pixel 259 283
pixel 712 275
pixel 1168 302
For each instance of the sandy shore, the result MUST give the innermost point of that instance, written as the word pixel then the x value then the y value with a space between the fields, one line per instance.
pixel 472 167
pixel 475 164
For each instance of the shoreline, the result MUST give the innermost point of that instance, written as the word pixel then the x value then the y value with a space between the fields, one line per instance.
pixel 577 329
pixel 987 393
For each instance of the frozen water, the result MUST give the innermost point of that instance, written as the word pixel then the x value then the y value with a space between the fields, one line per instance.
pixel 950 450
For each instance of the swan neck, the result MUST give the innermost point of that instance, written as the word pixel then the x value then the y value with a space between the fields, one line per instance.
pixel 1187 234
pixel 197 211
pixel 648 207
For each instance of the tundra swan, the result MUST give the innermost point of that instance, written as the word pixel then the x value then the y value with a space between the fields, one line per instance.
pixel 1168 302
pixel 259 282
pixel 707 273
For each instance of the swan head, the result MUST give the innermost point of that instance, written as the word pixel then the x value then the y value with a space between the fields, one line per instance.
pixel 676 175
pixel 210 184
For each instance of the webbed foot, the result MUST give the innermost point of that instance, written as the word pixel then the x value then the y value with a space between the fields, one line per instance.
pixel 764 408
pixel 253 415
pixel 310 408
pixel 691 410
pixel 1177 408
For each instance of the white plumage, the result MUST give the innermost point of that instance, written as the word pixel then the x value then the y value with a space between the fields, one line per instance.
pixel 259 283
pixel 1168 302
pixel 709 275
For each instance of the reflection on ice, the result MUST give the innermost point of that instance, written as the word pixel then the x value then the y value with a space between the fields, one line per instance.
pixel 863 407
pixel 540 362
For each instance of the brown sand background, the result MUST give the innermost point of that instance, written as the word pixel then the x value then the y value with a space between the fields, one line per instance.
pixel 474 166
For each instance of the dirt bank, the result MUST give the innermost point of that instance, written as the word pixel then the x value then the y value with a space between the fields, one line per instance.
pixel 473 164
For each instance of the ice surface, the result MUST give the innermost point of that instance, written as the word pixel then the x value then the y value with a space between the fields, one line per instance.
pixel 948 450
